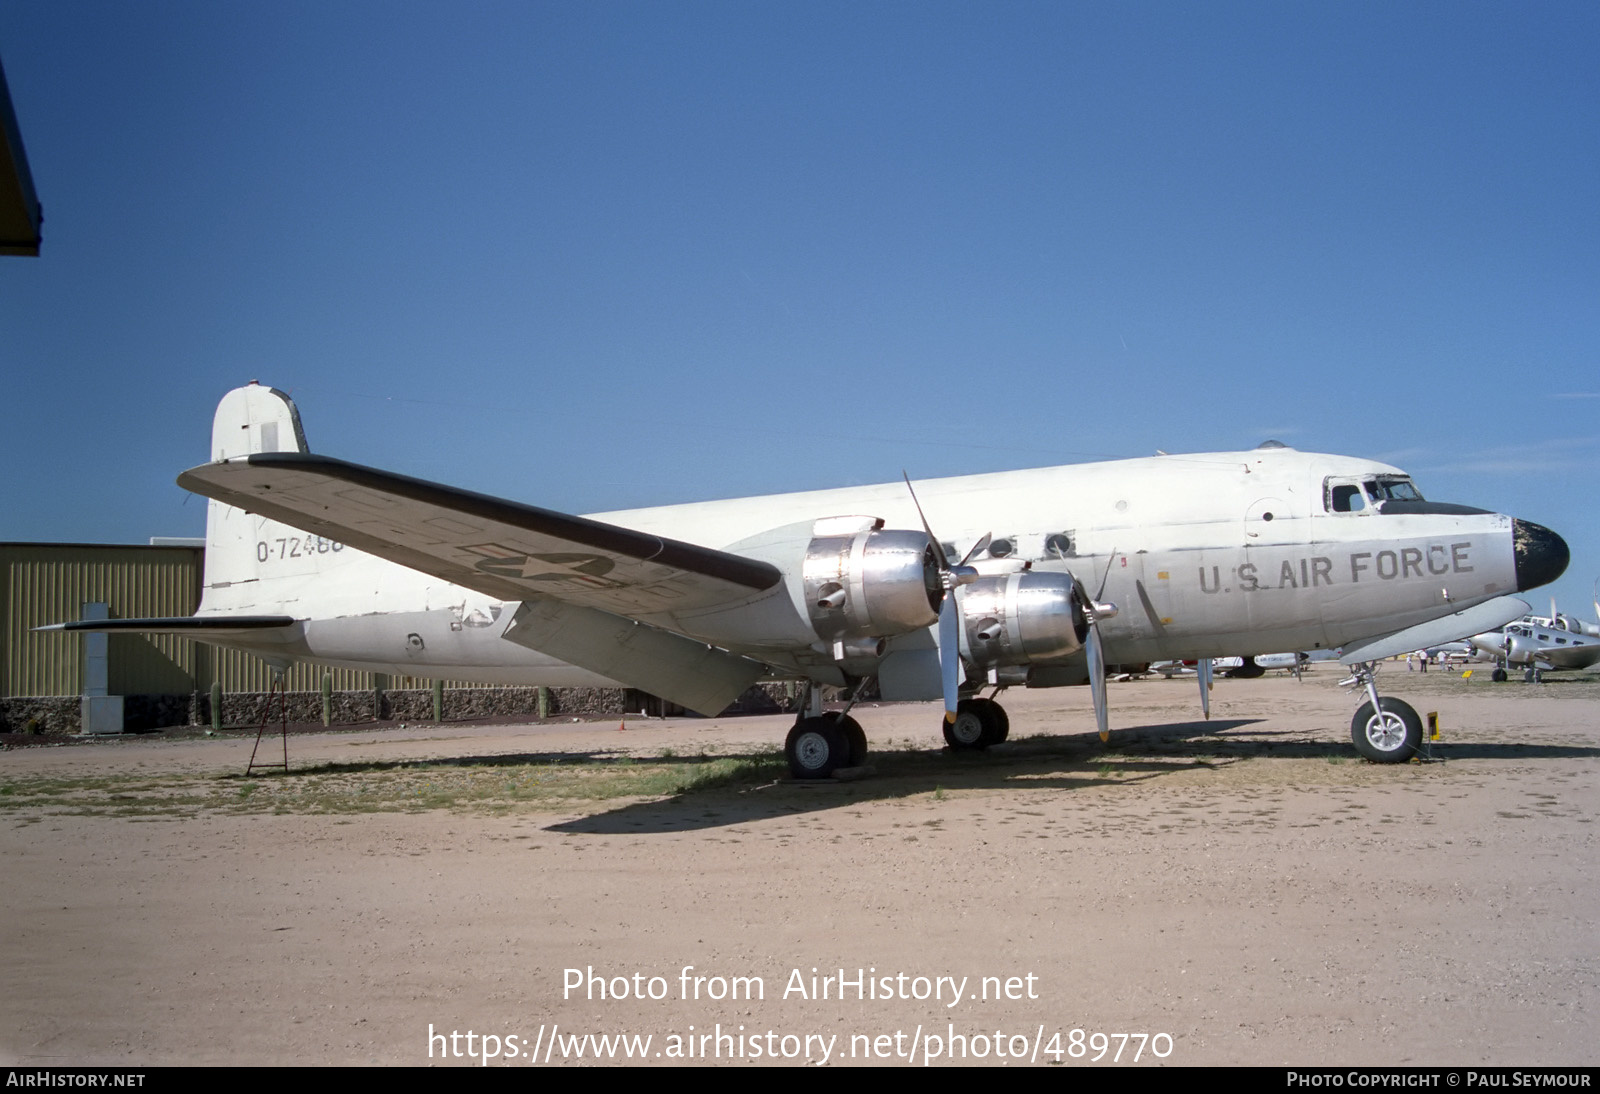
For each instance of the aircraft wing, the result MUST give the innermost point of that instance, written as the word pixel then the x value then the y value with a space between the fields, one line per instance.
pixel 1474 620
pixel 500 548
pixel 1569 657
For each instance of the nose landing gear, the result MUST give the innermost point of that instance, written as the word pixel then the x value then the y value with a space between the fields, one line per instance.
pixel 1385 730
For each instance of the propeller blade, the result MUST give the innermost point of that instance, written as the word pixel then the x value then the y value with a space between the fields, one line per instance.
pixel 950 654
pixel 938 550
pixel 1101 595
pixel 1097 681
pixel 978 547
pixel 1202 671
pixel 949 610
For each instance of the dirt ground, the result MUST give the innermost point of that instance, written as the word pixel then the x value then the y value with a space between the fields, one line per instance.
pixel 1238 891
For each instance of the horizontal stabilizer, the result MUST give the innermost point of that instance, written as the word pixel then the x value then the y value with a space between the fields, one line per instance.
pixel 200 626
pixel 500 548
pixel 1488 616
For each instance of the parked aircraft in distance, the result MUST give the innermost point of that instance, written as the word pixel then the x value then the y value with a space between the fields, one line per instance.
pixel 1223 553
pixel 1538 645
pixel 1572 623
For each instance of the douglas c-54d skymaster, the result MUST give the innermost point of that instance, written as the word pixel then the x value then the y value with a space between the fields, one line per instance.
pixel 1225 553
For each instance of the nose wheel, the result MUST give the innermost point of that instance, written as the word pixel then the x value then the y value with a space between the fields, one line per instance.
pixel 1385 730
pixel 1389 734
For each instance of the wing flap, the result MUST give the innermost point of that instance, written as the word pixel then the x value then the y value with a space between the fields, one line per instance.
pixel 500 548
pixel 701 677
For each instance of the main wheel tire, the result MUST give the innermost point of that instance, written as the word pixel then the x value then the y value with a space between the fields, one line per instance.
pixel 816 747
pixel 1498 676
pixel 1001 720
pixel 979 723
pixel 966 731
pixel 855 739
pixel 1390 736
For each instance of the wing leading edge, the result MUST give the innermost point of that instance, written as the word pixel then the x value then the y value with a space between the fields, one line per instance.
pixel 496 547
pixel 585 586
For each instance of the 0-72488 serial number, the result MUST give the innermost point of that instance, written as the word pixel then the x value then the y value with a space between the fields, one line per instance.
pixel 273 550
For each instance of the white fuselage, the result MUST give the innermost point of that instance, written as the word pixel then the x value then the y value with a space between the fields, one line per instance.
pixel 1205 555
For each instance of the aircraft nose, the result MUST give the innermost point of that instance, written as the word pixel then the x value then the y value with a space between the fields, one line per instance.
pixel 1542 556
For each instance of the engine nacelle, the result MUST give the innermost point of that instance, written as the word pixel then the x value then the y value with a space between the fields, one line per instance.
pixel 1022 619
pixel 847 584
pixel 871 584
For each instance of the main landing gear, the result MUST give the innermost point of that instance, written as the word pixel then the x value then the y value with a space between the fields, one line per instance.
pixel 979 723
pixel 823 742
pixel 1385 730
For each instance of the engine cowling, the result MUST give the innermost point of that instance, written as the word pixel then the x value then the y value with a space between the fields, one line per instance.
pixel 1022 619
pixel 871 584
pixel 848 584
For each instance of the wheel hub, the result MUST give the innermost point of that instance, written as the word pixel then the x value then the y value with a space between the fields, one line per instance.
pixel 968 728
pixel 812 751
pixel 1386 731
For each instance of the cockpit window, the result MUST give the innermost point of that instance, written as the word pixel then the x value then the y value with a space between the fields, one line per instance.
pixel 1345 498
pixel 1392 489
pixel 1352 496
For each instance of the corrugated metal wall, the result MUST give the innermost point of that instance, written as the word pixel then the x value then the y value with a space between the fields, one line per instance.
pixel 50 583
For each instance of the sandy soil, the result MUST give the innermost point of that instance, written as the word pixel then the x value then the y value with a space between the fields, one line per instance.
pixel 1244 886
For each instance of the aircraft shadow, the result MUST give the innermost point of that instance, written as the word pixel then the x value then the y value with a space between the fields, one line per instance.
pixel 1059 762
pixel 516 759
pixel 1185 738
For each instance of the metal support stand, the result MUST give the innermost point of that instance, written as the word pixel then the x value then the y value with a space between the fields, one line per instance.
pixel 280 689
pixel 1430 726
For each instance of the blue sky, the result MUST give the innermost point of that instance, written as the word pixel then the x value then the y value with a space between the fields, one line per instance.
pixel 598 255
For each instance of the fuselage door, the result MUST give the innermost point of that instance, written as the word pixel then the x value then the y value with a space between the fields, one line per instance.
pixel 1259 518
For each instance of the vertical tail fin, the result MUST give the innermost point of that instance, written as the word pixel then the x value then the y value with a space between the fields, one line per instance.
pixel 257 566
pixel 254 419
pixel 249 419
